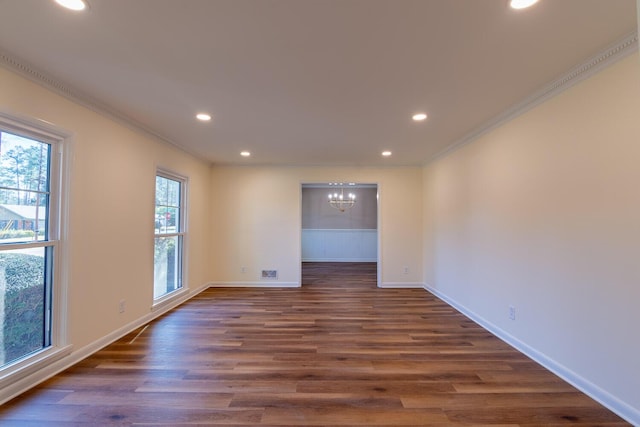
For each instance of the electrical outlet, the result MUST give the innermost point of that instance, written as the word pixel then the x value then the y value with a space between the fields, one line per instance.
pixel 122 306
pixel 243 270
pixel 405 270
pixel 512 312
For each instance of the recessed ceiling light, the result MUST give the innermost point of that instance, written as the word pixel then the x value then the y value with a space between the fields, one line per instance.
pixel 418 117
pixel 245 153
pixel 386 153
pixel 203 117
pixel 76 5
pixel 522 4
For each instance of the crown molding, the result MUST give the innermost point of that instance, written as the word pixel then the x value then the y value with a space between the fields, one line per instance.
pixel 612 54
pixel 42 78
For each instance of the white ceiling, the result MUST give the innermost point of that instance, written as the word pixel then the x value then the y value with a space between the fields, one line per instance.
pixel 310 82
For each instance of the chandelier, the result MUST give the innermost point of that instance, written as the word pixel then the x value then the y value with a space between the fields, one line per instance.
pixel 341 201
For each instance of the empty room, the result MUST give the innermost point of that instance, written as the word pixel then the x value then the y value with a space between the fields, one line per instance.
pixel 319 212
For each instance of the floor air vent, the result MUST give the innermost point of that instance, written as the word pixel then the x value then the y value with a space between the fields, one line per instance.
pixel 269 274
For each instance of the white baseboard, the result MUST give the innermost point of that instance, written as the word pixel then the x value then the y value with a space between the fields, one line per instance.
pixel 402 285
pixel 616 405
pixel 23 384
pixel 261 284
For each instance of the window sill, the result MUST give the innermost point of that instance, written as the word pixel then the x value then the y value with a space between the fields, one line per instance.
pixel 30 365
pixel 169 299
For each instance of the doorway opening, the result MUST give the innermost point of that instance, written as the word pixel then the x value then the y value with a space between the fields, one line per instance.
pixel 340 241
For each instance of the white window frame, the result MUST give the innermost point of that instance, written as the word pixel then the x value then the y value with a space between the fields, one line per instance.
pixel 183 233
pixel 59 181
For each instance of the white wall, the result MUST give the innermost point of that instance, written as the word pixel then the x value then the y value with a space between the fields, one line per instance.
pixel 111 213
pixel 256 217
pixel 543 214
pixel 339 245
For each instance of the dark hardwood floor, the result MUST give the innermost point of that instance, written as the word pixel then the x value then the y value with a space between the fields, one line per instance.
pixel 336 352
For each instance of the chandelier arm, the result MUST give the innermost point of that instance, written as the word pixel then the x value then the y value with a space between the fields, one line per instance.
pixel 338 201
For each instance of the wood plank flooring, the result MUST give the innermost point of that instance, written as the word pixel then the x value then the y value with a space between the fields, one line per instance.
pixel 336 352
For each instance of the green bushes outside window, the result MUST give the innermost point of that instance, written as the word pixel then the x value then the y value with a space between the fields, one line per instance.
pixel 23 319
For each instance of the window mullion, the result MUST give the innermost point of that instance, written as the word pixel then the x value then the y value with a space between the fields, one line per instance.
pixel 169 235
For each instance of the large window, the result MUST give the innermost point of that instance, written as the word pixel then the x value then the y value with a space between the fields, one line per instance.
pixel 28 244
pixel 169 234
